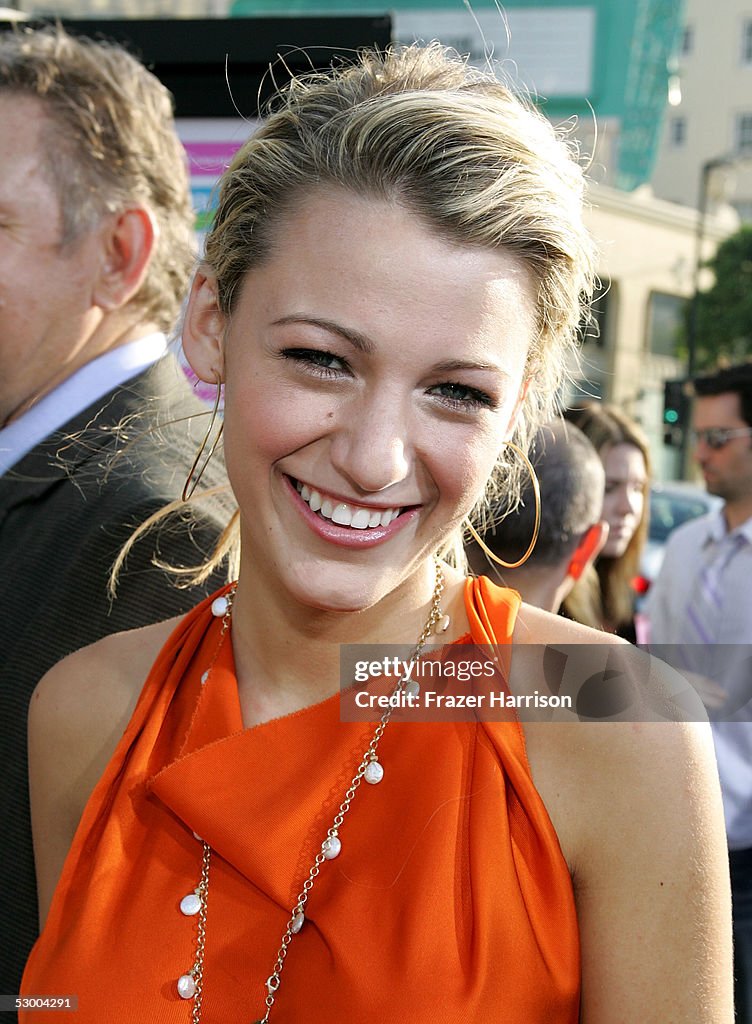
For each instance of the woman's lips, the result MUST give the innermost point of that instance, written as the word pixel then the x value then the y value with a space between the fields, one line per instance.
pixel 334 527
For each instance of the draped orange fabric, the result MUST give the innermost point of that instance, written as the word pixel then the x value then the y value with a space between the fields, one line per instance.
pixel 449 902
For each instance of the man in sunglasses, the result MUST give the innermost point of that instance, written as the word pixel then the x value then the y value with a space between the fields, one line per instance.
pixel 701 605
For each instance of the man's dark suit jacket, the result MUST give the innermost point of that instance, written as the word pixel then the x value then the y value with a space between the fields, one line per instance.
pixel 66 509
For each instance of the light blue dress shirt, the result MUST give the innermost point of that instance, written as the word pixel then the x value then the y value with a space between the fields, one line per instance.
pixel 77 393
pixel 689 548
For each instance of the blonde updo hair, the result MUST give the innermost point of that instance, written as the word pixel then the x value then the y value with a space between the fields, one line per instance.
pixel 459 149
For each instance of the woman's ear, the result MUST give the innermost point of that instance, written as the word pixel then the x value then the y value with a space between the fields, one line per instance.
pixel 204 329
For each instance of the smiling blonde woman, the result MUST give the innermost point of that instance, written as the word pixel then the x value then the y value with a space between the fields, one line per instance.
pixel 390 291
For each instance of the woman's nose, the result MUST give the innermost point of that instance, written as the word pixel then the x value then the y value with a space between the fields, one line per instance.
pixel 371 449
pixel 633 500
pixel 625 504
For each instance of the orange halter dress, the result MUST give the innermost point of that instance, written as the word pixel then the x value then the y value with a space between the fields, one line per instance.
pixel 449 902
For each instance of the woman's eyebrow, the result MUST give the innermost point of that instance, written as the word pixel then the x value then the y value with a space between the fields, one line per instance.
pixel 356 339
pixel 452 365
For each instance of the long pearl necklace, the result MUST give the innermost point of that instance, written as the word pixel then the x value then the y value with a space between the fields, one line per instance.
pixel 370 769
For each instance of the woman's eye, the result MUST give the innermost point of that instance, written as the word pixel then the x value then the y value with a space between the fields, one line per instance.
pixel 460 396
pixel 324 364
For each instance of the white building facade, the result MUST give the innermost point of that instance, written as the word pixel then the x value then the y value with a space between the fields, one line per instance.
pixel 713 120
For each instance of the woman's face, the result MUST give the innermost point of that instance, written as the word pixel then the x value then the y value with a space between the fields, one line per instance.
pixel 624 497
pixel 372 371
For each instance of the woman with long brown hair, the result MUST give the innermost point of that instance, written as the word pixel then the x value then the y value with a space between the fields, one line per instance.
pixel 604 597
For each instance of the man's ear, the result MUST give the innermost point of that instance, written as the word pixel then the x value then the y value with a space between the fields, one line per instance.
pixel 588 549
pixel 204 329
pixel 129 238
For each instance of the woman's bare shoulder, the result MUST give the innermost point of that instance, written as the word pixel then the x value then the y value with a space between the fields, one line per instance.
pixel 81 707
pixel 630 721
pixel 97 685
pixel 78 713
pixel 628 778
pixel 536 626
pixel 605 677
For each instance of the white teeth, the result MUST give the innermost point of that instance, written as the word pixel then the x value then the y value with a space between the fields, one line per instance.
pixel 342 514
pixel 360 519
pixel 357 517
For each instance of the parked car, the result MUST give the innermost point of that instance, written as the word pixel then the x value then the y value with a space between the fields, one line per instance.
pixel 671 504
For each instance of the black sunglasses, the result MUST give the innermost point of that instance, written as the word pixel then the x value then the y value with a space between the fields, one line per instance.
pixel 718 437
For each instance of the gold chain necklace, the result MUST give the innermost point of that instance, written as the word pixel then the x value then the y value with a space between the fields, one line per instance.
pixel 370 769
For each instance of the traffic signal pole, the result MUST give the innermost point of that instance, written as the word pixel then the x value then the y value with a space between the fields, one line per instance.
pixel 676 407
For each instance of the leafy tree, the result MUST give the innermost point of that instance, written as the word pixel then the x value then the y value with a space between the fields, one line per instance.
pixel 724 312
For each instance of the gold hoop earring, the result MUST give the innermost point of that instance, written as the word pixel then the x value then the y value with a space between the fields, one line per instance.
pixel 192 482
pixel 536 526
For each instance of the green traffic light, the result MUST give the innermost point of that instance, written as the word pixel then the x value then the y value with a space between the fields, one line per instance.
pixel 671 416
